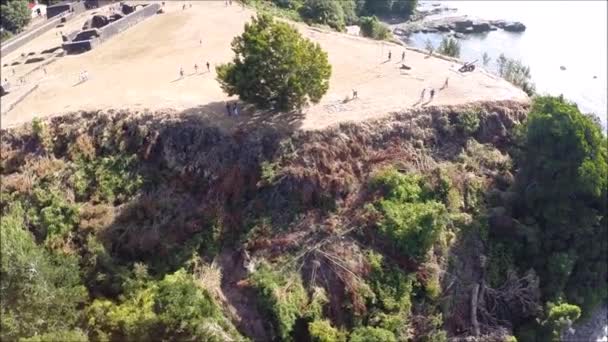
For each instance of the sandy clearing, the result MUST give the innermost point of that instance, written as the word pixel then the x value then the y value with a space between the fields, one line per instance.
pixel 139 69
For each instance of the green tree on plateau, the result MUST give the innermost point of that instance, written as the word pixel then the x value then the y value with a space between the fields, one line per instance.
pixel 14 15
pixel 275 67
pixel 563 187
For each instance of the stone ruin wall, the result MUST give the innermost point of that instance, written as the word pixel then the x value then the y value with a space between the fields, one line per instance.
pixel 112 29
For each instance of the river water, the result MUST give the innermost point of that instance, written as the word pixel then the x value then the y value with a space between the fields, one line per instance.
pixel 558 33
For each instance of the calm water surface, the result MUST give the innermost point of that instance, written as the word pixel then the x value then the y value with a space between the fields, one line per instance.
pixel 568 33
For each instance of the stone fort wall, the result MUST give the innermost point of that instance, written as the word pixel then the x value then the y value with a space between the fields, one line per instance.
pixel 112 29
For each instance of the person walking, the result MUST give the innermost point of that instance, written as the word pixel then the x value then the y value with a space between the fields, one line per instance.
pixel 390 54
pixel 403 56
pixel 44 69
pixel 422 94
pixel 208 70
pixel 228 108
pixel 196 68
pixel 181 72
pixel 445 84
pixel 355 94
pixel 432 93
pixel 236 109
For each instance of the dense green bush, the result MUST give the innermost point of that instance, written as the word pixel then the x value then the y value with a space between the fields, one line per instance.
pixel 50 215
pixel 14 15
pixel 322 331
pixel 275 67
pixel 326 12
pixel 560 316
pixel 373 28
pixel 449 47
pixel 62 335
pixel 398 8
pixel 40 291
pixel 562 189
pixel 174 308
pixel 111 179
pixel 290 4
pixel 282 297
pixel 371 334
pixel 467 122
pixel 411 222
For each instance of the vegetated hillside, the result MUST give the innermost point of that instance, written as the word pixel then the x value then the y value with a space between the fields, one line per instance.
pixel 128 226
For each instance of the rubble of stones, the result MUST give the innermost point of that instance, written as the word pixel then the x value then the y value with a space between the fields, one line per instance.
pixel 459 26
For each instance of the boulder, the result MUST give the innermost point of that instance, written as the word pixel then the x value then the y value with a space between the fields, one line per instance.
pixel 515 27
pixel 479 27
pixel 462 25
pixel 458 35
pixel 442 28
pixel 99 21
pixel 126 9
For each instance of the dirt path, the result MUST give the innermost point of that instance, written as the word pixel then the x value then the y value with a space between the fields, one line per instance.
pixel 241 301
pixel 139 70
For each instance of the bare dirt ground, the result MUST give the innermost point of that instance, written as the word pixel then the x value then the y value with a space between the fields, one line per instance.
pixel 139 70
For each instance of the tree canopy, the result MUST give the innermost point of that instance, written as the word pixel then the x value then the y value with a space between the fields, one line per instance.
pixel 563 187
pixel 275 67
pixel 14 15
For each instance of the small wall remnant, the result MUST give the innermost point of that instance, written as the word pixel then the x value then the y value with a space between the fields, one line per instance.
pixel 64 6
pixel 101 28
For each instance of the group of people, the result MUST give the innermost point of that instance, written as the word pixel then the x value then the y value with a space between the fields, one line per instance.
pixel 232 109
pixel 432 91
pixel 228 2
pixel 181 69
pixel 390 55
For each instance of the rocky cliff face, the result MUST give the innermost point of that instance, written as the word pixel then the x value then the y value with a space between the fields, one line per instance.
pixel 309 184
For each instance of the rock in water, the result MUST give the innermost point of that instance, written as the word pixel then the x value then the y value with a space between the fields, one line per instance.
pixel 515 27
pixel 562 67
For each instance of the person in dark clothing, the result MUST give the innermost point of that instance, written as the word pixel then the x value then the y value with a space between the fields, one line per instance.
pixel 208 66
pixel 390 54
pixel 432 93
pixel 403 56
pixel 228 108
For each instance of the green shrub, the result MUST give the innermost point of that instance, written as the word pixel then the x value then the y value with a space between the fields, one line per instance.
pixel 41 133
pixel 516 72
pixel 62 335
pixel 174 308
pixel 275 67
pixel 371 334
pixel 15 15
pixel 412 223
pixel 289 4
pixel 373 28
pixel 467 122
pixel 322 331
pixel 449 47
pixel 111 179
pixel 562 187
pixel 50 214
pixel 282 297
pixel 559 317
pixel 392 288
pixel 41 291
pixel 326 12
pixel 5 35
